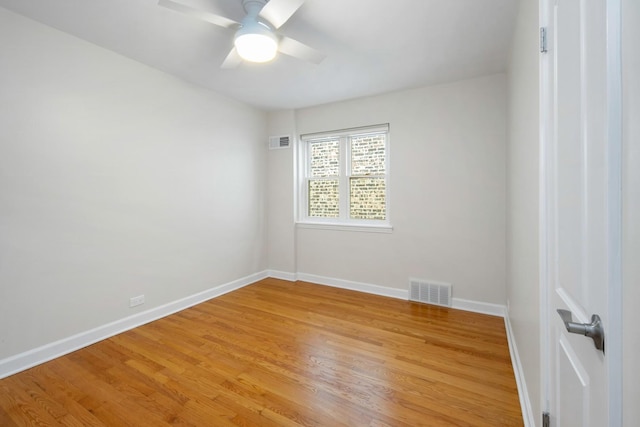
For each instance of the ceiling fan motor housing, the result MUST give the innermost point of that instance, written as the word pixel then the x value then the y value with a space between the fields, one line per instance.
pixel 253 7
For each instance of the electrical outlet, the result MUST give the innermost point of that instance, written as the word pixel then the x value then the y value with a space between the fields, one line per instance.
pixel 134 301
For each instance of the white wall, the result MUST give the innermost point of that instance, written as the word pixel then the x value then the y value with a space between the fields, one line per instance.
pixel 523 198
pixel 115 180
pixel 447 191
pixel 631 208
pixel 280 202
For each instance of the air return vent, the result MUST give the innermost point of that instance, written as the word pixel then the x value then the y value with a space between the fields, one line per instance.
pixel 276 142
pixel 430 292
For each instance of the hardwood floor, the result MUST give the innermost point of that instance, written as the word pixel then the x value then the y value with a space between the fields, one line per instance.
pixel 277 353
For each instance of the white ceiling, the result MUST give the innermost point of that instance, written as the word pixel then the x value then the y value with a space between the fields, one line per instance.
pixel 372 46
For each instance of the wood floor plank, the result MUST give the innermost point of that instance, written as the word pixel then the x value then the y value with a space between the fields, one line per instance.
pixel 20 407
pixel 278 353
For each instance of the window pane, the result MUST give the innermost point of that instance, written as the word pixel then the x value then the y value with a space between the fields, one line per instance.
pixel 325 158
pixel 368 199
pixel 368 154
pixel 324 198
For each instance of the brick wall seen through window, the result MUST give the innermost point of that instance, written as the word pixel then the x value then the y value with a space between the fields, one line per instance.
pixel 346 177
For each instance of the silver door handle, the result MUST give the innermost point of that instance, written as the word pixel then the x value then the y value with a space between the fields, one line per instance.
pixel 593 330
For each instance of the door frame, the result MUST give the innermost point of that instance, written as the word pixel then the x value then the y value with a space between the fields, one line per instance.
pixel 613 330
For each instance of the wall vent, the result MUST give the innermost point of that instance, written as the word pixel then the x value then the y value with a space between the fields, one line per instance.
pixel 276 142
pixel 430 292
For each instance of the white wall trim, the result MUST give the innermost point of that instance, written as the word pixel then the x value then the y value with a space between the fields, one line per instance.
pixel 36 356
pixel 457 303
pixel 523 393
pixel 355 286
pixel 386 228
pixel 614 190
pixel 478 307
pixel 282 275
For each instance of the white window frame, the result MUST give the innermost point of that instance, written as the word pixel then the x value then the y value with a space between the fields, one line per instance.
pixel 343 222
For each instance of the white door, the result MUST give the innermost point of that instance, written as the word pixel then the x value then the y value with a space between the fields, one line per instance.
pixel 579 208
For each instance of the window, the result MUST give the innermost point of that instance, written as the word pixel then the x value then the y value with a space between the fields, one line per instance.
pixel 344 178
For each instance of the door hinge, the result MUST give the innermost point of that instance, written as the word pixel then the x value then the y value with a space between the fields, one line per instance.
pixel 546 420
pixel 543 39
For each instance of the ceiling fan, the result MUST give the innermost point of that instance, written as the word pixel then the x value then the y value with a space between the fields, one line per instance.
pixel 255 37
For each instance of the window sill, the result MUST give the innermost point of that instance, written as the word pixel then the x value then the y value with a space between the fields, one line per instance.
pixel 346 227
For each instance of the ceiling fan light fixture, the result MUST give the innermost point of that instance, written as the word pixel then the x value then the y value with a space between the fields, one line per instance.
pixel 256 42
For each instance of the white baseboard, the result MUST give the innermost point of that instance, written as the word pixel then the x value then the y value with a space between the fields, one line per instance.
pixel 354 286
pixel 523 393
pixel 282 275
pixel 478 307
pixel 457 303
pixel 36 356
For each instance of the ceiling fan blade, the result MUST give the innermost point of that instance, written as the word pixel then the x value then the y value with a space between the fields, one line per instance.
pixel 199 14
pixel 232 60
pixel 294 48
pixel 277 12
